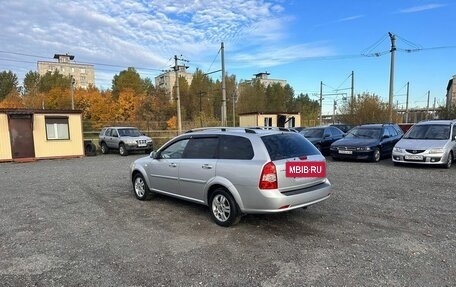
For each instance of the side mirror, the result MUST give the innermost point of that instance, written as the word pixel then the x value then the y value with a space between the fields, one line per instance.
pixel 153 154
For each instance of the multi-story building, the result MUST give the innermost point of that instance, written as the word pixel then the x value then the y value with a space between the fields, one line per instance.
pixel 263 78
pixel 83 74
pixel 167 80
pixel 451 93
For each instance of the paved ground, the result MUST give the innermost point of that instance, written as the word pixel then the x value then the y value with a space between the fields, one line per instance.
pixel 77 223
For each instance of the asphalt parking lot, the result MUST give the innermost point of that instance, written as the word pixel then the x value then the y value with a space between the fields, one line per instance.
pixel 76 222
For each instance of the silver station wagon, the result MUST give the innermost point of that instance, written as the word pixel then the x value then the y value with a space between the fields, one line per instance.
pixel 429 142
pixel 235 171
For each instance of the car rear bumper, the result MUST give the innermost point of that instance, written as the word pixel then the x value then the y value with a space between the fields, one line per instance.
pixel 273 201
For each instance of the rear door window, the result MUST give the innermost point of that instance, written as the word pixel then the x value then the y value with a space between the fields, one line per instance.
pixel 201 147
pixel 288 145
pixel 232 147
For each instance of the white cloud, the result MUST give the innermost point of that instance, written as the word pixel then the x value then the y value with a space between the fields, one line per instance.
pixel 148 33
pixel 421 8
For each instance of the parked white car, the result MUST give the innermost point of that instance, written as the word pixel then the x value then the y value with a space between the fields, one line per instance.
pixel 429 142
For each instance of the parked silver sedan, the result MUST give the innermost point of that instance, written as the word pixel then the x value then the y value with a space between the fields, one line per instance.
pixel 429 142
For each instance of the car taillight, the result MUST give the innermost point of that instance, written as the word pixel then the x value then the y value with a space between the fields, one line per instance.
pixel 268 178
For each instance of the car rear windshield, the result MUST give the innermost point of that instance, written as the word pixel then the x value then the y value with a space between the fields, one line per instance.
pixel 288 145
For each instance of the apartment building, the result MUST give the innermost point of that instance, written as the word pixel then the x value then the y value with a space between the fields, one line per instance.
pixel 83 74
pixel 451 93
pixel 264 79
pixel 167 80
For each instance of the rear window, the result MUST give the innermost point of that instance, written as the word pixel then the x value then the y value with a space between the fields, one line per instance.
pixel 232 147
pixel 288 145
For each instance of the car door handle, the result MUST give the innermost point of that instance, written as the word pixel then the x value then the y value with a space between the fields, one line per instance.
pixel 206 166
pixel 172 164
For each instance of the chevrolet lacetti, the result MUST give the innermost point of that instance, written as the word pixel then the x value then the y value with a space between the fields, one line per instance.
pixel 235 171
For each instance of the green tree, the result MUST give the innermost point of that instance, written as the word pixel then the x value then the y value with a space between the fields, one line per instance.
pixel 51 80
pixel 129 80
pixel 31 82
pixel 8 84
pixel 278 98
pixel 309 109
pixel 366 108
pixel 251 97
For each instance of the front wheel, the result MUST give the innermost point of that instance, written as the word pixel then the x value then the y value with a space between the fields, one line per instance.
pixel 376 155
pixel 141 189
pixel 449 160
pixel 223 208
pixel 123 150
pixel 104 148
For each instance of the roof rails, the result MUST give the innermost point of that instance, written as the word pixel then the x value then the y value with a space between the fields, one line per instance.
pixel 223 129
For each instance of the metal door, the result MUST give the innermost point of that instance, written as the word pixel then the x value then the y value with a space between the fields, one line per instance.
pixel 21 135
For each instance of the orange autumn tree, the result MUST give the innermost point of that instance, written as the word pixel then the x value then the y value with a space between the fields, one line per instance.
pixel 97 107
pixel 12 101
pixel 127 105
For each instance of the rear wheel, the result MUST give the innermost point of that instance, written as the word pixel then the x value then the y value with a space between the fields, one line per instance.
pixel 123 150
pixel 223 208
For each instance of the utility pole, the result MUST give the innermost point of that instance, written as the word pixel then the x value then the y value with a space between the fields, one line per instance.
pixel 179 118
pixel 352 85
pixel 201 107
pixel 352 96
pixel 72 91
pixel 321 100
pixel 391 87
pixel 234 107
pixel 427 106
pixel 223 87
pixel 334 111
pixel 433 108
pixel 406 103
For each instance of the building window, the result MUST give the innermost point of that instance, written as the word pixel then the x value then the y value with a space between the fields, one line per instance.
pixel 268 122
pixel 57 128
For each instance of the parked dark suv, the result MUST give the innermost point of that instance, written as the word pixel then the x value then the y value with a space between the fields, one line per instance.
pixel 367 142
pixel 235 171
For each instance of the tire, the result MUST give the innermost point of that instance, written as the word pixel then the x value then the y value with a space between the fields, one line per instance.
pixel 449 160
pixel 148 151
pixel 90 149
pixel 335 158
pixel 123 150
pixel 223 208
pixel 376 155
pixel 141 189
pixel 104 148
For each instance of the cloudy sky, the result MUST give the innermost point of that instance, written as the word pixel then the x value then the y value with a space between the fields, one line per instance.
pixel 301 41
